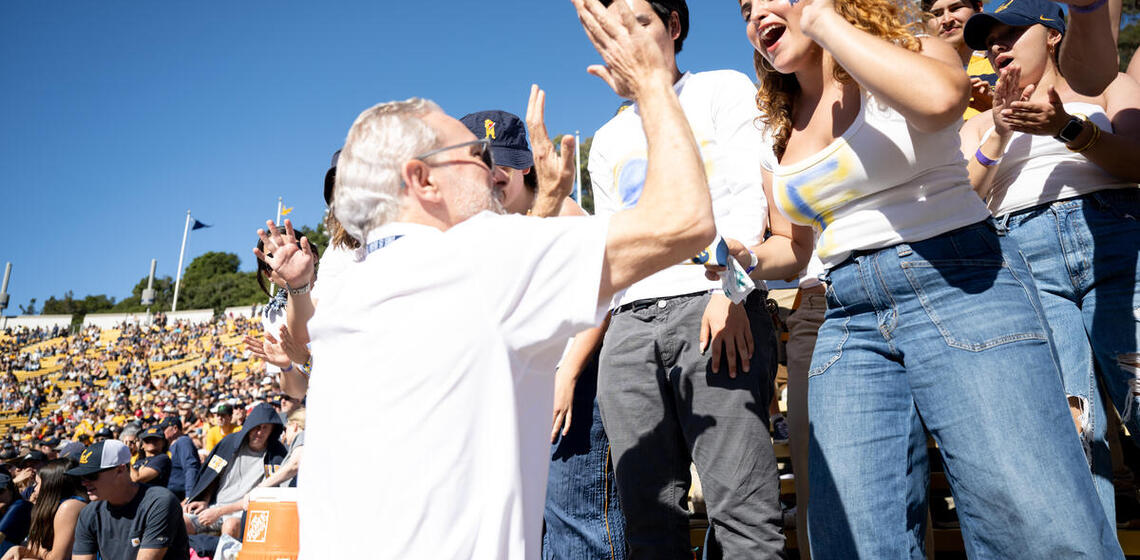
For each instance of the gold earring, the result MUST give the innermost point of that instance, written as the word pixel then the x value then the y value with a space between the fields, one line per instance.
pixel 767 66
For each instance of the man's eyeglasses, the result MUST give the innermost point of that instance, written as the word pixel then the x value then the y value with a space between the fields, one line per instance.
pixel 484 152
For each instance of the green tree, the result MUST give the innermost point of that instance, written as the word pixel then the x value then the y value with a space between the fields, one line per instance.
pixel 213 281
pixel 224 290
pixel 587 202
pixel 163 295
pixel 69 305
pixel 318 238
pixel 30 309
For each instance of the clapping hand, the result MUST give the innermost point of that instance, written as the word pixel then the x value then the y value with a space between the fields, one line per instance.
pixel 631 56
pixel 1008 91
pixel 555 170
pixel 1042 118
pixel 291 263
pixel 270 350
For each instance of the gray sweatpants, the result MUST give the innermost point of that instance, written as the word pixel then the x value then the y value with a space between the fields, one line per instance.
pixel 663 408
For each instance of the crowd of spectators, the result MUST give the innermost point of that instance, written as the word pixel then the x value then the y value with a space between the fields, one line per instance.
pixel 92 384
pixel 160 406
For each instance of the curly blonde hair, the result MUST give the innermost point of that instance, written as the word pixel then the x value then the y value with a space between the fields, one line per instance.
pixel 893 20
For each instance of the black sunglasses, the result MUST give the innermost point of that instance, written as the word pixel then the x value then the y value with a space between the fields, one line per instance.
pixel 484 152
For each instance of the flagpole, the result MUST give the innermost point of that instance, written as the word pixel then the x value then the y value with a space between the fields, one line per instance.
pixel 181 253
pixel 279 205
pixel 577 168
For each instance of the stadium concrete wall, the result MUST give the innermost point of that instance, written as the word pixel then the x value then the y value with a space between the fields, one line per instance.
pixel 190 315
pixel 111 320
pixel 35 321
pixel 247 311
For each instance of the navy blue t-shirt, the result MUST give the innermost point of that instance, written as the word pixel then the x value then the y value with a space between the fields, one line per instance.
pixel 160 463
pixel 16 521
pixel 153 519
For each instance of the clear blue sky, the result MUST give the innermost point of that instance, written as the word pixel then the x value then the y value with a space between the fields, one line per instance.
pixel 120 116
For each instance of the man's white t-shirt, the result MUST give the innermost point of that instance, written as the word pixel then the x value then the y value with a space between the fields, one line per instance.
pixel 721 109
pixel 434 361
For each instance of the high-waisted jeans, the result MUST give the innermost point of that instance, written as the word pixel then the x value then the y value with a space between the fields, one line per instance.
pixel 1083 252
pixel 946 332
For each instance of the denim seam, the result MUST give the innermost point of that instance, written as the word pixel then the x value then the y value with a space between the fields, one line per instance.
pixel 948 337
pixel 838 351
pixel 887 329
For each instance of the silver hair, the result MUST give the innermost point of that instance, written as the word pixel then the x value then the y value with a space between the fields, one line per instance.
pixel 368 173
pixel 128 431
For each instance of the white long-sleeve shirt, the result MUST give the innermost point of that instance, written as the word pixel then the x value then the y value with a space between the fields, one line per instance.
pixel 721 109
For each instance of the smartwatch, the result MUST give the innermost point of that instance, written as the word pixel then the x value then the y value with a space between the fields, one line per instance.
pixel 1072 129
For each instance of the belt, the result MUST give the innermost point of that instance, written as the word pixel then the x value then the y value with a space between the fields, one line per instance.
pixel 640 304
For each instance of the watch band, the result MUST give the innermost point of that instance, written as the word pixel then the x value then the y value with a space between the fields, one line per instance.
pixel 1067 134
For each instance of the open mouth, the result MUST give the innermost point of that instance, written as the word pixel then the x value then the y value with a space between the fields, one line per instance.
pixel 949 30
pixel 771 34
pixel 1003 62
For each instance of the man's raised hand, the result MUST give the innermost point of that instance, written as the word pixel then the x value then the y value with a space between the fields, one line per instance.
pixel 631 56
pixel 555 171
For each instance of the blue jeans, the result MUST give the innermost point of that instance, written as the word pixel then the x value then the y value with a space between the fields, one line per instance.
pixel 946 332
pixel 583 512
pixel 1083 252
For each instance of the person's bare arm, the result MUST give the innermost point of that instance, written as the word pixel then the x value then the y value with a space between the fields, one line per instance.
pixel 673 218
pixel 150 554
pixel 288 470
pixel 144 474
pixel 1134 68
pixel 566 378
pixel 293 260
pixel 84 557
pixel 1088 53
pixel 1115 152
pixel 889 71
pixel 66 517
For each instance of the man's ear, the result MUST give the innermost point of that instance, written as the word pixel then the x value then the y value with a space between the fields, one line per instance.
pixel 417 180
pixel 674 25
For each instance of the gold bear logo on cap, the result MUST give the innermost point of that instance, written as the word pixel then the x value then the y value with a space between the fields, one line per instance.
pixel 490 126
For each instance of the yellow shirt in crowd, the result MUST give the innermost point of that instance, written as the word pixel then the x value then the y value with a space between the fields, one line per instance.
pixel 215 435
pixel 979 67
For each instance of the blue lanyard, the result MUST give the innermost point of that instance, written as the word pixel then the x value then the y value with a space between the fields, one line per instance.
pixel 380 244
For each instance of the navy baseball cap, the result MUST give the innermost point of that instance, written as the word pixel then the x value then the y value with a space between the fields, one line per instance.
pixel 1018 13
pixel 507 134
pixel 152 432
pixel 102 456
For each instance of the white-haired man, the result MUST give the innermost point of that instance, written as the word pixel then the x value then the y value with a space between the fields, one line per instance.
pixel 442 339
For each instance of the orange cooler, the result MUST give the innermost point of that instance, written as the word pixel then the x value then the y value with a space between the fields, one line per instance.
pixel 271 527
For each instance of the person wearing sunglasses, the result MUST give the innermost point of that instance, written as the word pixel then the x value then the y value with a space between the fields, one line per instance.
pixel 125 520
pixel 445 333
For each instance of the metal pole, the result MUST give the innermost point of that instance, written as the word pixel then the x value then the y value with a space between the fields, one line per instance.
pixel 4 295
pixel 148 293
pixel 181 253
pixel 577 168
pixel 279 207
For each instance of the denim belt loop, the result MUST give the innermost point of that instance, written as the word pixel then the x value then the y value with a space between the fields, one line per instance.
pixel 904 250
